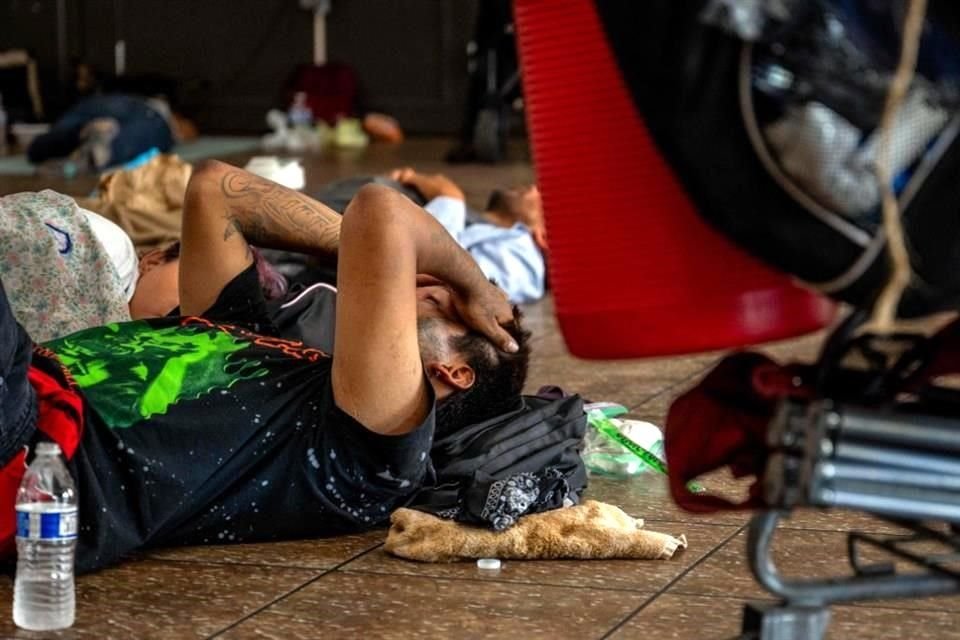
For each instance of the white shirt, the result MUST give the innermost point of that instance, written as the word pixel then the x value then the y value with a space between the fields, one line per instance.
pixel 508 256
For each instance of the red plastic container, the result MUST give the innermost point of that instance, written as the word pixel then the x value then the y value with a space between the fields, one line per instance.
pixel 635 272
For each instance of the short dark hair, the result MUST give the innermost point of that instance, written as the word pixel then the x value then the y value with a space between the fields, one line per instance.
pixel 498 202
pixel 499 377
pixel 171 252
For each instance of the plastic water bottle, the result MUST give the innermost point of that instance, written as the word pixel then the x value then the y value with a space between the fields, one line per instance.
pixel 300 114
pixel 43 593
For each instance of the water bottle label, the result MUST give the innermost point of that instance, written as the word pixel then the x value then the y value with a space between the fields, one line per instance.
pixel 57 525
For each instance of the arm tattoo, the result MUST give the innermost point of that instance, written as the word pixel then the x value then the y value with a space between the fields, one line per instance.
pixel 267 214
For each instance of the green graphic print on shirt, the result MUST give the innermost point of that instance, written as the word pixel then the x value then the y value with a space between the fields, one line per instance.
pixel 131 371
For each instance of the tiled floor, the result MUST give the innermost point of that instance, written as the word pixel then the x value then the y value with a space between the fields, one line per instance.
pixel 349 588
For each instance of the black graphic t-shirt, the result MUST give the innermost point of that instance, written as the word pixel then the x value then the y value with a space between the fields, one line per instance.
pixel 210 430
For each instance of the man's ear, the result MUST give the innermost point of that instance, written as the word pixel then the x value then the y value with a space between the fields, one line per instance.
pixel 459 377
pixel 151 259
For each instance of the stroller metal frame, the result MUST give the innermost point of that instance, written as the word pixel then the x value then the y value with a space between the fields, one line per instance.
pixel 861 443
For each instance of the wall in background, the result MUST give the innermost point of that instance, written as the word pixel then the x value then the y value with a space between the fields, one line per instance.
pixel 409 55
pixel 33 25
pixel 231 58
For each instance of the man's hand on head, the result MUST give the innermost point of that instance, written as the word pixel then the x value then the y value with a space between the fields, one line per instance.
pixel 425 280
pixel 485 308
pixel 430 186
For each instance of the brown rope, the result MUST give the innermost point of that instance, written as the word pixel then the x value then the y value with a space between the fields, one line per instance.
pixel 885 310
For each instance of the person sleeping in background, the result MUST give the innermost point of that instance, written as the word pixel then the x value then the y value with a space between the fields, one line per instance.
pixel 66 268
pixel 108 130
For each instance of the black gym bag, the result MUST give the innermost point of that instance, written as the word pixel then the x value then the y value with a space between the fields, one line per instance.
pixel 521 462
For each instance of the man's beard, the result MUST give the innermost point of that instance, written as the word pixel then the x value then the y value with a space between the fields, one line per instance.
pixel 430 339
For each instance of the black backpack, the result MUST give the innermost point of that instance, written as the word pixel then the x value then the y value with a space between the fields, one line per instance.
pixel 520 462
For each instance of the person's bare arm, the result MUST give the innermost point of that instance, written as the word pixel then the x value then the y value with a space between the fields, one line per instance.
pixel 386 240
pixel 430 185
pixel 227 209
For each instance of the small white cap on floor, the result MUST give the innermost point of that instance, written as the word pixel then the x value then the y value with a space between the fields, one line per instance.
pixel 488 564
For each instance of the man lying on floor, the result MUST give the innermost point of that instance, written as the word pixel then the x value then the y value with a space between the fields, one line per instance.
pixel 207 429
pixel 65 268
pixel 507 238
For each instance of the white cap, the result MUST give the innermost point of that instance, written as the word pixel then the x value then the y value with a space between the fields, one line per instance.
pixel 488 564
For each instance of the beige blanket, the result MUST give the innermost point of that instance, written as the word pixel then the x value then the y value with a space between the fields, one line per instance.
pixel 591 530
pixel 147 202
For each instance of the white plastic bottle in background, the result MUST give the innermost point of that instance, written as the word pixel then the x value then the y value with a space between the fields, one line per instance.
pixel 3 128
pixel 300 114
pixel 43 593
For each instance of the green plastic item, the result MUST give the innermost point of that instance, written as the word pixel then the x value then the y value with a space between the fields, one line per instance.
pixel 600 421
pixel 608 409
pixel 602 424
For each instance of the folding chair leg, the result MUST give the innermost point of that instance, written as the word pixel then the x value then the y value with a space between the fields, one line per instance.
pixel 764 621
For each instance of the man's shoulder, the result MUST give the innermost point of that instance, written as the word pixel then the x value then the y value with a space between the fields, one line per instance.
pixel 308 315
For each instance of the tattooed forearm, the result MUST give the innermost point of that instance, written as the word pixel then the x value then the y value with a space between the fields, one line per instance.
pixel 269 215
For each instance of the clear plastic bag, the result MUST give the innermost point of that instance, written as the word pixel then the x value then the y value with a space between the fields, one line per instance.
pixel 621 448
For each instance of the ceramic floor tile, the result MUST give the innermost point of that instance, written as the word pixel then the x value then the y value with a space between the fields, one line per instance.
pixel 629 385
pixel 150 599
pixel 636 575
pixel 647 496
pixel 802 349
pixel 323 553
pixel 545 342
pixel 797 554
pixel 628 382
pixel 655 408
pixel 354 605
pixel 883 623
pixel 838 520
pixel 685 617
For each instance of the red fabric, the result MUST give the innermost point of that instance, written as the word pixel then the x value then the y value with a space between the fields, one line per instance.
pixel 331 90
pixel 723 422
pixel 59 417
pixel 59 411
